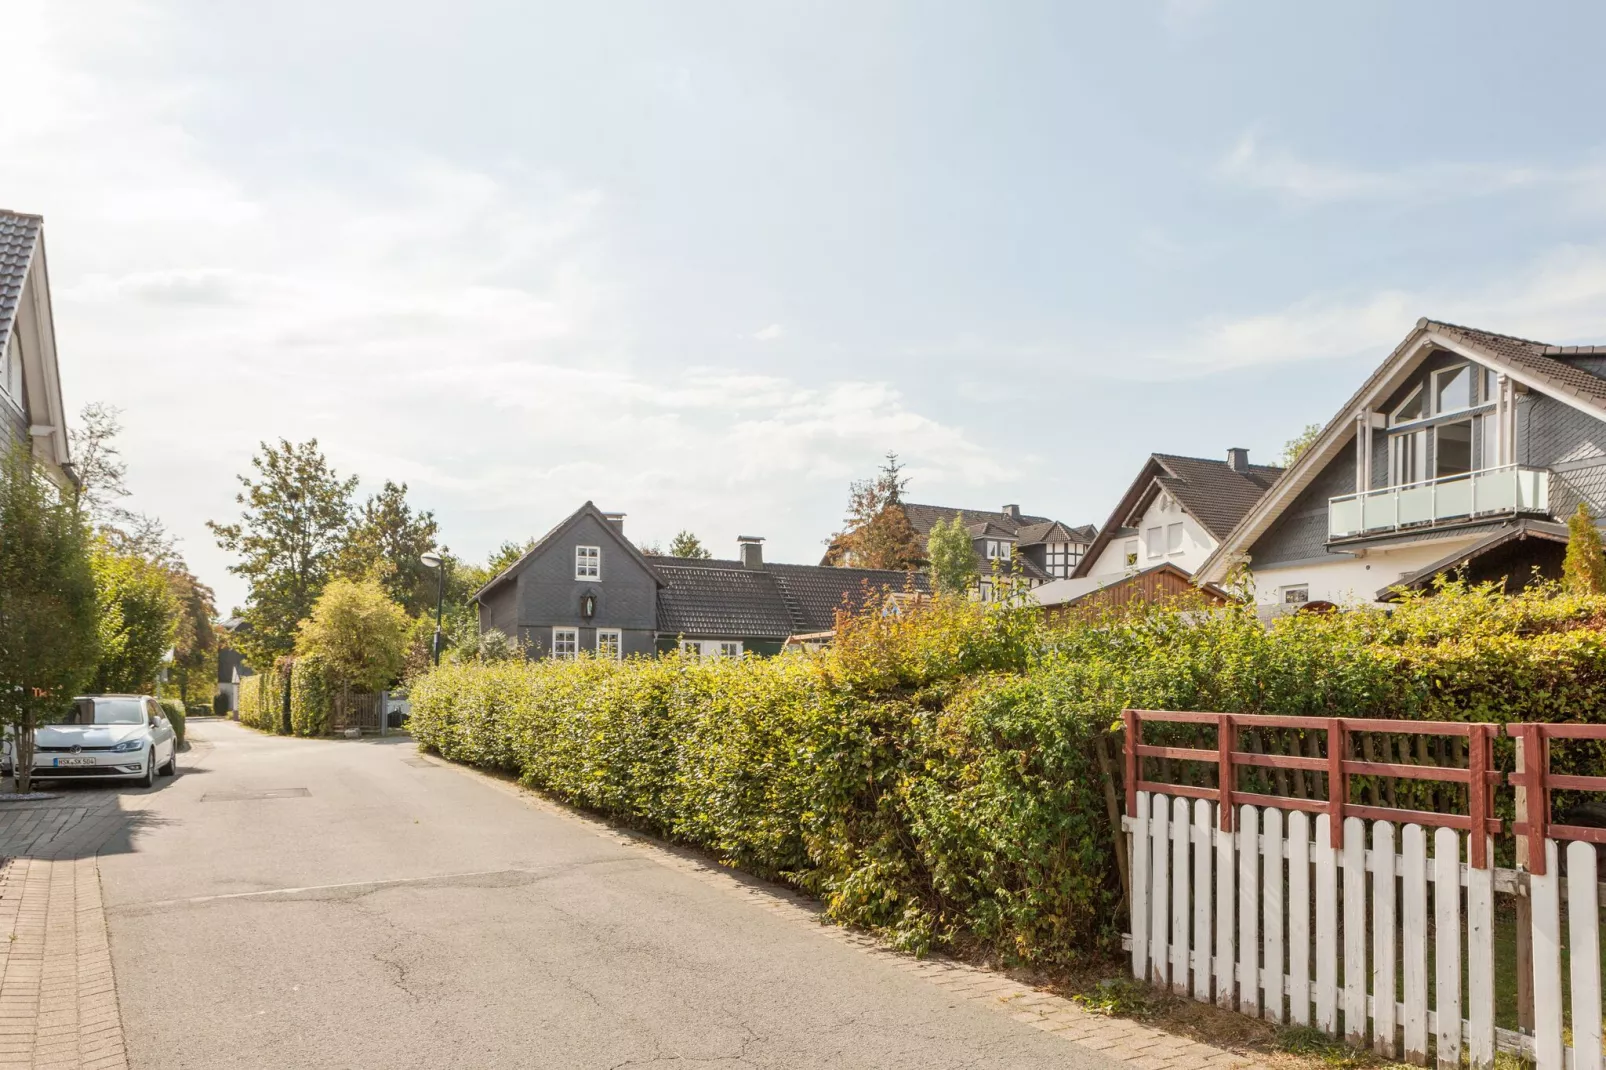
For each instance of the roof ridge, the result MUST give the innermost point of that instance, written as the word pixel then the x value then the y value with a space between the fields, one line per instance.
pixel 1213 460
pixel 1426 321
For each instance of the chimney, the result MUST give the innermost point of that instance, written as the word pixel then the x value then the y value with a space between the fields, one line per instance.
pixel 1238 459
pixel 1012 511
pixel 751 550
pixel 617 520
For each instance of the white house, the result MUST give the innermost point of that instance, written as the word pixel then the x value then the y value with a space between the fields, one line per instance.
pixel 1464 450
pixel 1175 513
pixel 31 408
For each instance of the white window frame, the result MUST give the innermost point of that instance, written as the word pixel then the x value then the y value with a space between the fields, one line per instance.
pixel 997 550
pixel 1419 441
pixel 1154 542
pixel 1295 594
pixel 1433 385
pixel 691 646
pixel 1129 555
pixel 1174 534
pixel 565 637
pixel 1394 417
pixel 618 638
pixel 984 590
pixel 588 563
pixel 11 367
pixel 728 648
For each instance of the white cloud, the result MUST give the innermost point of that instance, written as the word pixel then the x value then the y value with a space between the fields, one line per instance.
pixel 1559 298
pixel 439 324
pixel 1254 165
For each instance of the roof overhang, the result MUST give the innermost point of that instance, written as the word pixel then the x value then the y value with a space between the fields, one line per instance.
pixel 1389 376
pixel 34 327
pixel 1521 530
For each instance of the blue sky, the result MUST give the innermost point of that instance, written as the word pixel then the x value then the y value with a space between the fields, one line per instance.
pixel 704 263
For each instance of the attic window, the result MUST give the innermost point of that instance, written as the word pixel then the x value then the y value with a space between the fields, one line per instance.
pixel 1410 409
pixel 588 562
pixel 1452 389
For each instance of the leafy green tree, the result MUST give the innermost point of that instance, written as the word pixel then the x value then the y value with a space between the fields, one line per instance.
pixel 294 521
pixel 1583 570
pixel 388 541
pixel 877 532
pixel 1295 447
pixel 195 642
pixel 358 633
pixel 47 603
pixel 952 556
pixel 138 621
pixel 685 544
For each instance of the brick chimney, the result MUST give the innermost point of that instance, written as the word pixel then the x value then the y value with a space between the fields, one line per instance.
pixel 1238 459
pixel 751 550
pixel 1012 511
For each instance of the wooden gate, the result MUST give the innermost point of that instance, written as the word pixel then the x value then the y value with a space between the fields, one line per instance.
pixel 1314 910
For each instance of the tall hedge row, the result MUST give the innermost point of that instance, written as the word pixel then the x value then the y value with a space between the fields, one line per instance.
pixel 934 774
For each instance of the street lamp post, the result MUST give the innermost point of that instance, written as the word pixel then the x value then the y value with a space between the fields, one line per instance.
pixel 434 561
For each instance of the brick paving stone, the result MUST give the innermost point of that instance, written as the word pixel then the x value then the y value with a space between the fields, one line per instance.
pixel 58 999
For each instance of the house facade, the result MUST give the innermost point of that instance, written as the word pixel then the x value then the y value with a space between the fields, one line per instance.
pixel 1033 549
pixel 31 407
pixel 1168 523
pixel 585 588
pixel 1464 450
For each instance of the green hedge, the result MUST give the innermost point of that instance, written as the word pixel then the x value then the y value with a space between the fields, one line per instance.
pixel 933 774
pixel 174 708
pixel 261 698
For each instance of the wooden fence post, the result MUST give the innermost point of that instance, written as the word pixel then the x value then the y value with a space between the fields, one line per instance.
pixel 1525 947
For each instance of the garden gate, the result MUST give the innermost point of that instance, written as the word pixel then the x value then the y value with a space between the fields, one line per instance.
pixel 1295 904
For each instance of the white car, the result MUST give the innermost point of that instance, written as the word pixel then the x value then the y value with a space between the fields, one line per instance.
pixel 124 737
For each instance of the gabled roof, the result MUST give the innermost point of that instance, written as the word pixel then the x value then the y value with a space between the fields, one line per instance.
pixel 545 541
pixel 922 517
pixel 1072 592
pixel 1537 365
pixel 19 237
pixel 1505 533
pixel 1214 493
pixel 727 599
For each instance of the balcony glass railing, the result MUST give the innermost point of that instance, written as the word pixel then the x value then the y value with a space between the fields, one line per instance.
pixel 1492 491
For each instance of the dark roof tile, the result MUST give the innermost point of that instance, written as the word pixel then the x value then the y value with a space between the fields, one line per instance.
pixel 19 237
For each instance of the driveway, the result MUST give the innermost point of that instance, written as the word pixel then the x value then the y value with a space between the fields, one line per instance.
pixel 307 903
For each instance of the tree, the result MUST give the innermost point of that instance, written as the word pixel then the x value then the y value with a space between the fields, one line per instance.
pixel 1583 570
pixel 195 641
pixel 952 556
pixel 138 621
pixel 388 541
pixel 358 633
pixel 685 544
pixel 101 488
pixel 293 524
pixel 1295 447
pixel 47 603
pixel 877 532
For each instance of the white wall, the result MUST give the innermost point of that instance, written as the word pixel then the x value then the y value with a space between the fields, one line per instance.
pixel 1197 543
pixel 1355 580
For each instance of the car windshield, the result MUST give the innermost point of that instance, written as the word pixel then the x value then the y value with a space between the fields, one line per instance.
pixel 105 711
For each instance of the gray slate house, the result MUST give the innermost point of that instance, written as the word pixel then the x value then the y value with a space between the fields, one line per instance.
pixel 1465 450
pixel 1037 548
pixel 31 408
pixel 585 587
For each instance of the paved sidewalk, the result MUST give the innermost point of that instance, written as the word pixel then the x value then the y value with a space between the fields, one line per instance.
pixel 58 1001
pixel 58 1005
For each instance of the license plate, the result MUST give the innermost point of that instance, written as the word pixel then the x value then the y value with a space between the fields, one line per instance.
pixel 74 761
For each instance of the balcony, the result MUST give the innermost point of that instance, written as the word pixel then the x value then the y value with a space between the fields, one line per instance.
pixel 1505 491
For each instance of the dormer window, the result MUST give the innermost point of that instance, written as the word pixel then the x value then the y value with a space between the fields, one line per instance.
pixel 997 550
pixel 588 562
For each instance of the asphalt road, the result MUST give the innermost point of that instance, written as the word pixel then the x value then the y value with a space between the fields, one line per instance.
pixel 297 903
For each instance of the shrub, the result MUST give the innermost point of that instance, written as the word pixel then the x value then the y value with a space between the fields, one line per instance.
pixel 311 696
pixel 174 709
pixel 932 775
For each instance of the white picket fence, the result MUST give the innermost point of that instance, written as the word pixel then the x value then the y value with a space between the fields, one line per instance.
pixel 1228 917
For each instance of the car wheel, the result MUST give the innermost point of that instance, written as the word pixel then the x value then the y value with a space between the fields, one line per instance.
pixel 149 778
pixel 171 768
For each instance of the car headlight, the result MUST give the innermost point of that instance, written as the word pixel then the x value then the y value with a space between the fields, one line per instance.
pixel 128 745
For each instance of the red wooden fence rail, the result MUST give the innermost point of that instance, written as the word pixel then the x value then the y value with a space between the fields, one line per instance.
pixel 1339 767
pixel 1533 773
